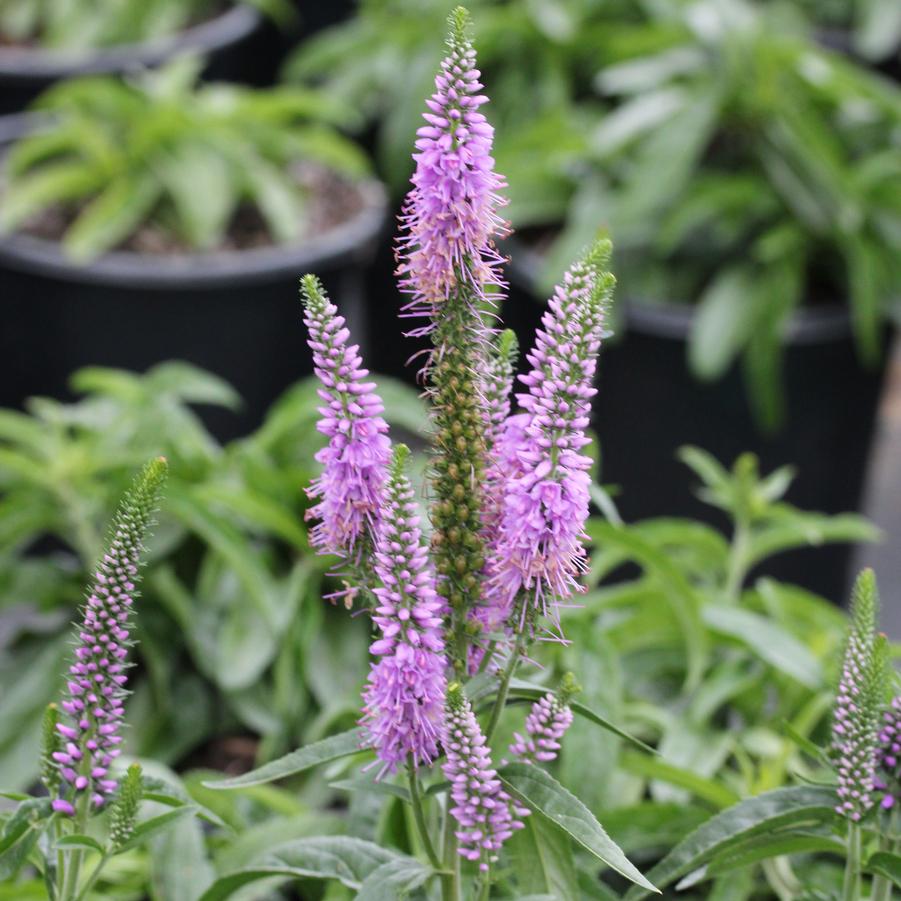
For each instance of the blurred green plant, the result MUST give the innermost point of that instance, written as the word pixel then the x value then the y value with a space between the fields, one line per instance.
pixel 80 24
pixel 737 163
pixel 233 636
pixel 118 155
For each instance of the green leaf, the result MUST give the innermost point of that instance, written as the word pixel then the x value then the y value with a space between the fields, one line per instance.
pixel 80 842
pixel 331 748
pixel 393 880
pixel 349 860
pixel 722 323
pixel 366 783
pixel 111 217
pixel 769 641
pixel 59 183
pixel 540 791
pixel 775 810
pixel 887 865
pixel 148 828
pixel 528 692
pixel 542 858
pixel 655 768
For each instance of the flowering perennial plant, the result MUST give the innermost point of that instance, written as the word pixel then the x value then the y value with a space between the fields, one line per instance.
pixel 355 460
pixel 404 699
pixel 546 724
pixel 96 686
pixel 485 812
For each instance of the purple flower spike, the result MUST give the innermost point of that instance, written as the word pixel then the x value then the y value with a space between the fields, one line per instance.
pixel 856 714
pixel 355 460
pixel 96 688
pixel 450 216
pixel 539 550
pixel 546 724
pixel 485 812
pixel 888 757
pixel 404 700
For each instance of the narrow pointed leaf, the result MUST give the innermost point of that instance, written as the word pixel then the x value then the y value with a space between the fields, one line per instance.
pixel 394 879
pixel 540 791
pixel 331 748
pixel 780 809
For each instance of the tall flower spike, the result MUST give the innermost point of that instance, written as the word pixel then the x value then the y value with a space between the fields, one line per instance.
pixel 546 724
pixel 485 812
pixel 355 460
pixel 450 216
pixel 888 757
pixel 448 263
pixel 96 687
pixel 491 613
pixel 403 702
pixel 539 551
pixel 857 703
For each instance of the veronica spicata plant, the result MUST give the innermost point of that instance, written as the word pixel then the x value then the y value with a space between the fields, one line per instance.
pixel 83 734
pixel 457 598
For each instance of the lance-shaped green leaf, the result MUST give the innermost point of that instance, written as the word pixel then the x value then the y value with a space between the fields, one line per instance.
pixel 342 745
pixel 394 879
pixel 887 865
pixel 540 791
pixel 349 860
pixel 542 858
pixel 781 809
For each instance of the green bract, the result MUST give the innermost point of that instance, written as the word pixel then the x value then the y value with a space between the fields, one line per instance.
pixel 116 156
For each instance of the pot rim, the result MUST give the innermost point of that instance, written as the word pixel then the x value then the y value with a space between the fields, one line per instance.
pixel 668 319
pixel 352 241
pixel 33 64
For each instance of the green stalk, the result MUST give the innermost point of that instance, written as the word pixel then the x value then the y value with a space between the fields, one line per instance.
pixel 419 816
pixel 504 688
pixel 738 557
pixel 882 887
pixel 851 891
pixel 95 874
pixel 450 879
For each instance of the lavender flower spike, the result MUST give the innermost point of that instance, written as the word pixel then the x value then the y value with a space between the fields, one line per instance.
pixel 539 549
pixel 485 812
pixel 450 216
pixel 888 757
pixel 403 702
pixel 546 724
pixel 356 457
pixel 96 687
pixel 856 716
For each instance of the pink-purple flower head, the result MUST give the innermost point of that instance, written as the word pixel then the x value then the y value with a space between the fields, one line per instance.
pixel 450 217
pixel 540 549
pixel 857 703
pixel 355 460
pixel 888 757
pixel 485 813
pixel 96 690
pixel 404 700
pixel 546 724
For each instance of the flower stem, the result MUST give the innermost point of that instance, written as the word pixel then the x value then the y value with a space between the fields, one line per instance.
pixel 95 873
pixel 450 879
pixel 738 560
pixel 419 816
pixel 882 887
pixel 851 891
pixel 504 688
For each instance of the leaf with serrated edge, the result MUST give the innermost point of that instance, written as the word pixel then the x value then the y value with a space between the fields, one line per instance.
pixel 342 745
pixel 540 791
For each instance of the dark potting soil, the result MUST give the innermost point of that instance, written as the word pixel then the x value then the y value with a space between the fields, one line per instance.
pixel 330 201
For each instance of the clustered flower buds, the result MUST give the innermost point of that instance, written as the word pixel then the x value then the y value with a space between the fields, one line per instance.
pixel 857 704
pixel 355 460
pixel 450 217
pixel 97 679
pixel 888 757
pixel 539 548
pixel 546 724
pixel 404 700
pixel 485 812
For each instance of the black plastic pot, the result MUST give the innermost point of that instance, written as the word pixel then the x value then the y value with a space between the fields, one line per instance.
pixel 649 405
pixel 223 40
pixel 236 314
